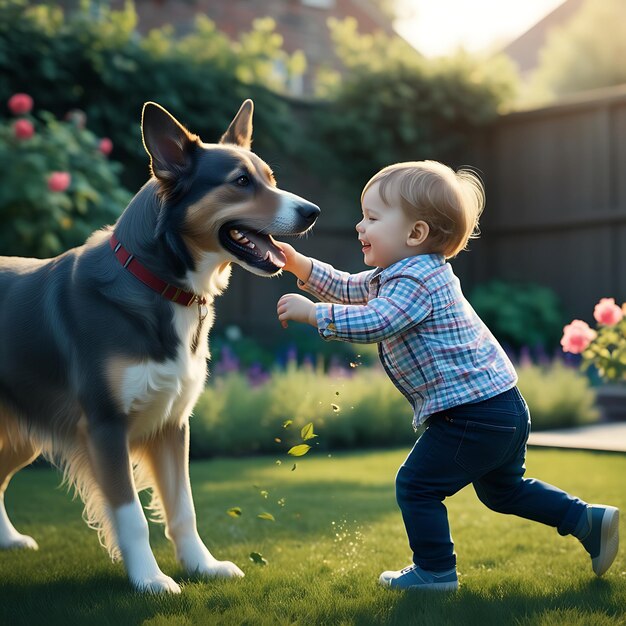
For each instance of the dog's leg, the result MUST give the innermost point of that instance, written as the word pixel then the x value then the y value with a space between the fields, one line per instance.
pixel 168 456
pixel 110 460
pixel 13 456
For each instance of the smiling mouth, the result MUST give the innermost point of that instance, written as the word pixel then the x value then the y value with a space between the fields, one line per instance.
pixel 252 247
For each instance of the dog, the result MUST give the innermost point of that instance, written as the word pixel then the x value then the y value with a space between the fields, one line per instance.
pixel 104 348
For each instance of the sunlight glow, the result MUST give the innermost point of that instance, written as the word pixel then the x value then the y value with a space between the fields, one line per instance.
pixel 439 27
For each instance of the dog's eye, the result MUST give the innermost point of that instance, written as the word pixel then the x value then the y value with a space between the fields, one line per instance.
pixel 243 181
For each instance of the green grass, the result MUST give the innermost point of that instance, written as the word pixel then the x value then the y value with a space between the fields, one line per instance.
pixel 339 528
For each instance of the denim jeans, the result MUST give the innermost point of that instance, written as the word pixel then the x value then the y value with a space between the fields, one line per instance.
pixel 483 443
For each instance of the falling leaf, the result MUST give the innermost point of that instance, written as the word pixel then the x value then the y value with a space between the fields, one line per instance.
pixel 287 423
pixel 336 393
pixel 268 516
pixel 257 558
pixel 279 462
pixel 335 408
pixel 277 439
pixel 294 467
pixel 307 432
pixel 234 512
pixel 300 450
pixel 264 493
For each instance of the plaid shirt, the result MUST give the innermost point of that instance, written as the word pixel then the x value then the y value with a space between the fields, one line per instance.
pixel 432 344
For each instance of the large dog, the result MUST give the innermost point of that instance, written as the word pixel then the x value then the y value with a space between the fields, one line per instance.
pixel 104 348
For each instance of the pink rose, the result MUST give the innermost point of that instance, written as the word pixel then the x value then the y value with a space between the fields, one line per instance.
pixel 20 103
pixel 59 181
pixel 607 312
pixel 105 146
pixel 577 336
pixel 23 129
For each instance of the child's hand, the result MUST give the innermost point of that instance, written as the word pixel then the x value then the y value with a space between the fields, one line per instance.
pixel 293 306
pixel 295 263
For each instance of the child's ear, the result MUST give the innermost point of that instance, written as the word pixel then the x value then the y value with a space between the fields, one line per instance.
pixel 419 234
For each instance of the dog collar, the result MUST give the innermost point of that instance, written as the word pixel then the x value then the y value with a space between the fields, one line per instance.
pixel 129 262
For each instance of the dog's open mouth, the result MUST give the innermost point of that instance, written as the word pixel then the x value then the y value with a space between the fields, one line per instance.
pixel 252 247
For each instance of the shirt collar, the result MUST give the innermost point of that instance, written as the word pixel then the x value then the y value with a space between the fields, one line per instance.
pixel 417 263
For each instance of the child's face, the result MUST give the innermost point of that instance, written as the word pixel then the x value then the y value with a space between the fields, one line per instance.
pixel 385 232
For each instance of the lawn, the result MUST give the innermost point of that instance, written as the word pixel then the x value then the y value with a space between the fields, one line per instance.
pixel 336 529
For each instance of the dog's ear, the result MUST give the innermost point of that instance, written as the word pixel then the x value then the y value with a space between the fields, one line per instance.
pixel 168 143
pixel 240 130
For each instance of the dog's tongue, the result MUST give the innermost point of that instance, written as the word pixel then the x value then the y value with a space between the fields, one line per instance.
pixel 267 249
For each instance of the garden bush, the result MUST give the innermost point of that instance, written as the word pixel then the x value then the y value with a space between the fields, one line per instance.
pixel 558 396
pixel 360 409
pixel 59 182
pixel 240 413
pixel 520 315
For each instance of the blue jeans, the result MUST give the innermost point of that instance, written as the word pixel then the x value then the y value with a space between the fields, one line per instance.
pixel 483 443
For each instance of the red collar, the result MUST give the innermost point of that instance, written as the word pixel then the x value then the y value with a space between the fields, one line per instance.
pixel 129 262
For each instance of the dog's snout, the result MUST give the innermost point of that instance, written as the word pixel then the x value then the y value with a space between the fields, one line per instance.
pixel 309 211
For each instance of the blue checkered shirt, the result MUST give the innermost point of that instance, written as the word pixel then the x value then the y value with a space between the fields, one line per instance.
pixel 431 342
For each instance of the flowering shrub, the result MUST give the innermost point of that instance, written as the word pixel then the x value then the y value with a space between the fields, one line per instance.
pixel 58 185
pixel 604 348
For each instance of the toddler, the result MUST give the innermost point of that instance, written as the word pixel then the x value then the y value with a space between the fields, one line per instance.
pixel 445 361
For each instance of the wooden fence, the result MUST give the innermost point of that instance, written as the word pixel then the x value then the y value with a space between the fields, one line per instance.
pixel 556 213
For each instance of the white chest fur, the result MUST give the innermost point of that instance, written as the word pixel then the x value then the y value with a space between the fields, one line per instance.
pixel 153 393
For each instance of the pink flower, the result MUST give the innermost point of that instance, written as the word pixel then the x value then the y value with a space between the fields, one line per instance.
pixel 20 103
pixel 105 146
pixel 59 181
pixel 577 336
pixel 607 312
pixel 23 129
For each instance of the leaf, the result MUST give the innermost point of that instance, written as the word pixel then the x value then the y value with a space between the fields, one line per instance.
pixel 257 558
pixel 300 450
pixel 287 423
pixel 307 432
pixel 277 439
pixel 294 467
pixel 234 512
pixel 279 462
pixel 335 408
pixel 267 516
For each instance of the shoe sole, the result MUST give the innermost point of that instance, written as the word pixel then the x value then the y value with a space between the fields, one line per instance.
pixel 609 541
pixel 448 586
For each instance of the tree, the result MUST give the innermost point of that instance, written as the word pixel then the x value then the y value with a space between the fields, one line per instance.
pixel 584 54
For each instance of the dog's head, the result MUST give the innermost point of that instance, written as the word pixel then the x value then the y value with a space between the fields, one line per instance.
pixel 219 198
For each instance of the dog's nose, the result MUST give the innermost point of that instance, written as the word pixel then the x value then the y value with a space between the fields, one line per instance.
pixel 309 211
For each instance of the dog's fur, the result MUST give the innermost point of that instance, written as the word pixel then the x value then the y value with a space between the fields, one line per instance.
pixel 100 373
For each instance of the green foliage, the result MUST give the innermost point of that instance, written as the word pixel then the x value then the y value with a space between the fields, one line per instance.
pixel 396 106
pixel 520 315
pixel 362 410
pixel 104 68
pixel 232 417
pixel 585 52
pixel 35 221
pixel 558 396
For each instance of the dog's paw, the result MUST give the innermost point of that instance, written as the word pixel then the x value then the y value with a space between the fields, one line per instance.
pixel 160 583
pixel 18 542
pixel 218 569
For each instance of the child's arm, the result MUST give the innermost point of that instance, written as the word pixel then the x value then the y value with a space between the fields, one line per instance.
pixel 402 303
pixel 324 281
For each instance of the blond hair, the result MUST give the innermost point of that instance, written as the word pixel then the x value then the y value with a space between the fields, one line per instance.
pixel 449 202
